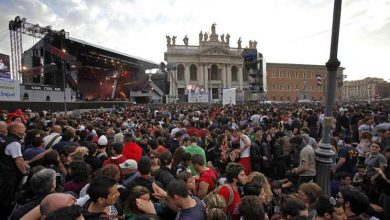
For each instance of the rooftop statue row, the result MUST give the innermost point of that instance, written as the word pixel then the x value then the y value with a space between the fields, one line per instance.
pixel 213 37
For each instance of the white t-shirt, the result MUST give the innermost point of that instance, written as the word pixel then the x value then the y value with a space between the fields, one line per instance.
pixel 246 152
pixel 14 150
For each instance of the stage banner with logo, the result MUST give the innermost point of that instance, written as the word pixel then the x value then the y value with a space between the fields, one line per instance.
pixel 5 72
pixel 9 90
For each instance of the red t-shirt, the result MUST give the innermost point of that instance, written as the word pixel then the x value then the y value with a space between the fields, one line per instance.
pixel 161 149
pixel 232 209
pixel 209 176
pixel 115 160
pixel 192 131
pixel 132 151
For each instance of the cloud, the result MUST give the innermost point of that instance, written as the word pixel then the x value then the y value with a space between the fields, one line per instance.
pixel 287 31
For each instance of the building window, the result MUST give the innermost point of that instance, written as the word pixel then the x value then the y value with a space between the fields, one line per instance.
pixel 273 98
pixel 304 75
pixel 235 74
pixel 273 86
pixel 193 73
pixel 215 93
pixel 296 86
pixel 288 87
pixel 215 73
pixel 281 87
pixel 281 98
pixel 180 91
pixel 180 72
pixel 296 75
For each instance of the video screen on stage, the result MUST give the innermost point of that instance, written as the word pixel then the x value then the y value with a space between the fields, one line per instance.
pixel 5 68
pixel 195 89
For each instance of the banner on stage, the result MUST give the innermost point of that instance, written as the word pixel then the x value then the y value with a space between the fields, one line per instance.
pixel 9 90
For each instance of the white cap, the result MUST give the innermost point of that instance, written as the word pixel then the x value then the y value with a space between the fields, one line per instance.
pixel 102 140
pixel 129 164
pixel 343 109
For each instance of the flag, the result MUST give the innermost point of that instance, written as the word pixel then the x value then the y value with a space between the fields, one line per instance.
pixel 319 79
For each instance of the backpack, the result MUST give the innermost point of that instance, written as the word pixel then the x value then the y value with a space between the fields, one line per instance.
pixel 231 193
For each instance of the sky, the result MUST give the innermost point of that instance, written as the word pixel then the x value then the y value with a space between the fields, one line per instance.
pixel 287 31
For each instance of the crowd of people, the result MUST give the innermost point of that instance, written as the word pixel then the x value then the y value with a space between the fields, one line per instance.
pixel 194 161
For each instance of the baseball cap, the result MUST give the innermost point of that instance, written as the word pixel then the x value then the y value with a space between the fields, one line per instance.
pixel 129 164
pixel 102 140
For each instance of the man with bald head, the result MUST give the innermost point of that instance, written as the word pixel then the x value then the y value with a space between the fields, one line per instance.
pixel 50 203
pixel 12 165
pixel 53 138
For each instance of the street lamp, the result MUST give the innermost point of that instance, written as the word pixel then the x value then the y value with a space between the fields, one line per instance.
pixel 324 155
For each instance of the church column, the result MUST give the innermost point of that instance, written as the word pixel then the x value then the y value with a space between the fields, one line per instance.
pixel 223 75
pixel 206 78
pixel 240 77
pixel 229 76
pixel 201 74
pixel 187 74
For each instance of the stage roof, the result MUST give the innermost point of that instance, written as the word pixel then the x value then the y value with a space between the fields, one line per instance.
pixel 146 64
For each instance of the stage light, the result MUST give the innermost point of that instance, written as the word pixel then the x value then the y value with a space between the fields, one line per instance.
pixel 63 50
pixel 112 86
pixel 24 68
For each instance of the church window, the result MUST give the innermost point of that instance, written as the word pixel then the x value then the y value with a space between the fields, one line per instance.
pixel 193 73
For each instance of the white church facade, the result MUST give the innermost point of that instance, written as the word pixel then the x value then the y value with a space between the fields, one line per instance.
pixel 206 69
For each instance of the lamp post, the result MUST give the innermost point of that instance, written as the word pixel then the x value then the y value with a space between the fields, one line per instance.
pixel 324 154
pixel 63 37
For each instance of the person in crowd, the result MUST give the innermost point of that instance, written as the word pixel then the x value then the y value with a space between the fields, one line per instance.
pixel 145 179
pixel 70 212
pixel 178 198
pixel 347 157
pixel 307 164
pixel 251 208
pixel 305 132
pixel 184 165
pixel 261 179
pixel 35 149
pixel 175 143
pixel 374 159
pixel 117 157
pixel 67 140
pixel 80 174
pixel 207 176
pixel 42 183
pixel 189 179
pixel 195 149
pixel 354 202
pixel 131 149
pixel 102 149
pixel 49 204
pixel 129 169
pixel 235 177
pixel 312 122
pixel 245 144
pixel 12 165
pixel 308 194
pixel 215 206
pixel 91 158
pixel 328 208
pixel 164 173
pixel 278 161
pixel 154 157
pixel 103 193
pixel 3 129
pixel 293 208
pixel 53 138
